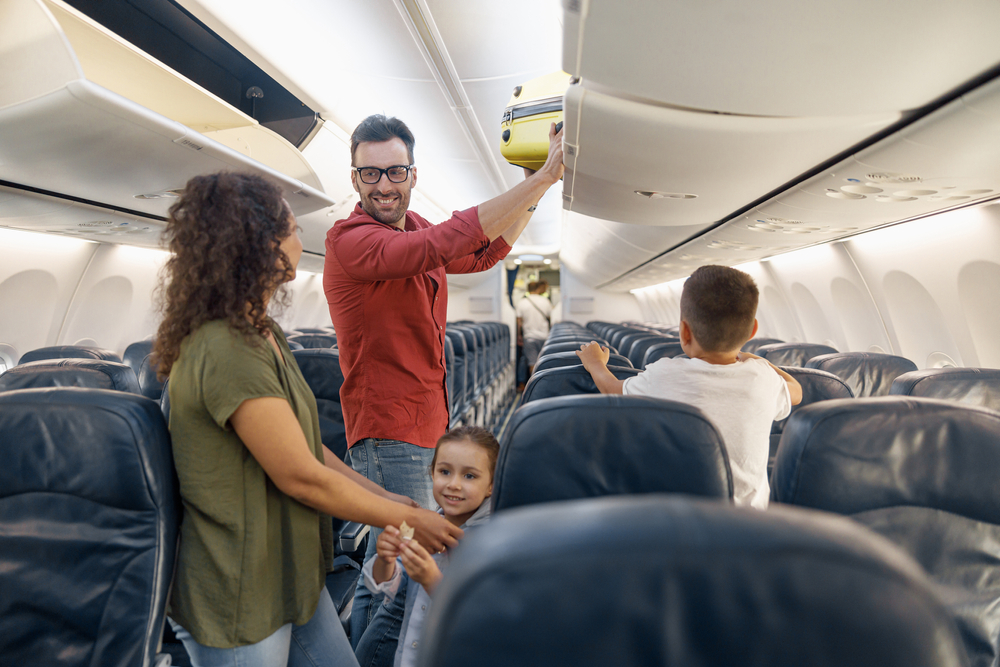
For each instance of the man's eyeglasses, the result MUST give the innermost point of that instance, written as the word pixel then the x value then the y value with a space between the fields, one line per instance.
pixel 372 175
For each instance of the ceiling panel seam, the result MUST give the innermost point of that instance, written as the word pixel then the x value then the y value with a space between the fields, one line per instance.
pixel 419 21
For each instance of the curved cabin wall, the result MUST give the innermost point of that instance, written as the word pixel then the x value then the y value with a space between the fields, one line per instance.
pixel 925 290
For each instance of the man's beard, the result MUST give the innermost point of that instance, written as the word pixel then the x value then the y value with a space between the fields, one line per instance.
pixel 390 217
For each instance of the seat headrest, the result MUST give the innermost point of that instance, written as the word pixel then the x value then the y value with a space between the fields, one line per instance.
pixel 89 510
pixel 755 344
pixel 567 381
pixel 136 352
pixel 558 359
pixel 816 386
pixel 314 341
pixel 90 373
pixel 69 352
pixel 570 346
pixel 321 369
pixel 973 386
pixel 657 580
pixel 866 373
pixel 849 456
pixel 666 349
pixel 792 354
pixel 585 446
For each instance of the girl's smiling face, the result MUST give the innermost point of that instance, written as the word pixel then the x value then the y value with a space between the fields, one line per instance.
pixel 462 479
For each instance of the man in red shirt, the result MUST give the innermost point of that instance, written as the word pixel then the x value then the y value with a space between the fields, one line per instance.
pixel 386 285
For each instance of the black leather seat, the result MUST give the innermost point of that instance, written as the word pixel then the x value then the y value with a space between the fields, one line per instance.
pixel 866 373
pixel 460 390
pixel 558 359
pixel 755 344
pixel 69 352
pixel 816 386
pixel 585 446
pixel 620 333
pixel 89 373
pixel 321 369
pixel 570 346
pixel 567 381
pixel 792 354
pixel 971 386
pixel 657 351
pixel 921 472
pixel 138 357
pixel 685 582
pixel 312 341
pixel 89 514
pixel 629 341
pixel 637 352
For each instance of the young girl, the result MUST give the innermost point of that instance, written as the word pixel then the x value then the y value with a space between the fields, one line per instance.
pixel 462 476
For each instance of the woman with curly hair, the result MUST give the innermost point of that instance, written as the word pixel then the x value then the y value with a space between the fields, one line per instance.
pixel 256 482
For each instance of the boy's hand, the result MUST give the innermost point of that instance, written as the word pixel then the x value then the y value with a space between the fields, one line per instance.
pixel 593 355
pixel 420 566
pixel 743 356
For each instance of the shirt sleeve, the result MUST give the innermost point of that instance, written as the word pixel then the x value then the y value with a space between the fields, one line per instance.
pixel 378 252
pixel 643 383
pixel 783 405
pixel 390 586
pixel 236 370
pixel 481 260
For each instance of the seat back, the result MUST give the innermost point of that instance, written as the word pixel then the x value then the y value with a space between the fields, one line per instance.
pixel 637 352
pixel 90 373
pixel 585 446
pixel 866 373
pixel 89 514
pixel 312 341
pixel 449 373
pixel 567 381
pixel 139 357
pixel 972 386
pixel 657 351
pixel 685 582
pixel 792 354
pixel 921 472
pixel 321 369
pixel 755 344
pixel 459 382
pixel 69 352
pixel 472 354
pixel 628 342
pixel 620 332
pixel 558 359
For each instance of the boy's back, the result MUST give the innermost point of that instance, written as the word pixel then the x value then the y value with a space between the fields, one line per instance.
pixel 742 399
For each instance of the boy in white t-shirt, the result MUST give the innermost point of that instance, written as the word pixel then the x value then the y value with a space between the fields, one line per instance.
pixel 739 392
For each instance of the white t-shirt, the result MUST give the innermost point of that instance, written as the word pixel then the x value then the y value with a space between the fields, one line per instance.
pixel 741 399
pixel 533 322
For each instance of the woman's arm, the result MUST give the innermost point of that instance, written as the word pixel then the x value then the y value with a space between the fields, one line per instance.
pixel 334 462
pixel 270 430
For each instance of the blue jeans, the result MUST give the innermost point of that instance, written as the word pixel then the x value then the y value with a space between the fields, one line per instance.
pixel 377 646
pixel 321 641
pixel 398 467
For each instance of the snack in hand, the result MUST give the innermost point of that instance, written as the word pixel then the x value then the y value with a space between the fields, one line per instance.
pixel 405 531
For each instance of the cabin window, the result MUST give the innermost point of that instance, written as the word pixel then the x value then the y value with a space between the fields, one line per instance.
pixel 8 357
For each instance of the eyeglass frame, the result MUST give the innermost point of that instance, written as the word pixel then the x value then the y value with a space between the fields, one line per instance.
pixel 385 172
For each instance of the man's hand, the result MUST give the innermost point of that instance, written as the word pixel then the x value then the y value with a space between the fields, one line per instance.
pixel 553 168
pixel 433 531
pixel 420 566
pixel 593 356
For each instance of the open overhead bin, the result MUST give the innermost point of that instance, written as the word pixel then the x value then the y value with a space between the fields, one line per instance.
pixel 86 116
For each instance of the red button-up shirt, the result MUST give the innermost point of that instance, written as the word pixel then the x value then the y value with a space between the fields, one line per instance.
pixel 388 297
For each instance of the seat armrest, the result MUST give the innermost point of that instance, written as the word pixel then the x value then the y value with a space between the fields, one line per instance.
pixel 351 535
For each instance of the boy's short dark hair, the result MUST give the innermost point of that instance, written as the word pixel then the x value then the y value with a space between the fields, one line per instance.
pixel 475 434
pixel 719 303
pixel 379 128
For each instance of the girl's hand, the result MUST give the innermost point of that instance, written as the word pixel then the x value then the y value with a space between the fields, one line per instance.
pixel 419 565
pixel 388 543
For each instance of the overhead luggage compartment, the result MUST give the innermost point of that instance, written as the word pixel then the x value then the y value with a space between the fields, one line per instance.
pixel 86 116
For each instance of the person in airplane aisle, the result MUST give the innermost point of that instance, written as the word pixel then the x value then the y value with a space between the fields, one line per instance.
pixel 256 483
pixel 533 321
pixel 739 392
pixel 386 286
pixel 462 477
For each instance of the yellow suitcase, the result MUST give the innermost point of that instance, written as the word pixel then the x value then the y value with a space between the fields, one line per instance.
pixel 524 130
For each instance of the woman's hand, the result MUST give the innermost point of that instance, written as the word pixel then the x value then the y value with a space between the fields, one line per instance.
pixel 399 498
pixel 419 565
pixel 433 531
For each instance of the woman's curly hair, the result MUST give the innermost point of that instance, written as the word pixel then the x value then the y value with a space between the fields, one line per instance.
pixel 224 234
